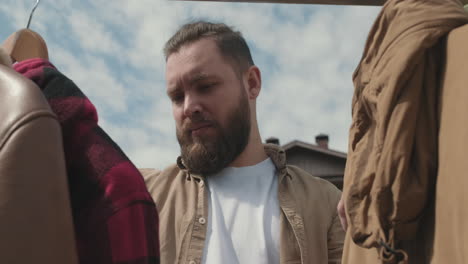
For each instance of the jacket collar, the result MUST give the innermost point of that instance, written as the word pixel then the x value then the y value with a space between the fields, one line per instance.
pixel 277 155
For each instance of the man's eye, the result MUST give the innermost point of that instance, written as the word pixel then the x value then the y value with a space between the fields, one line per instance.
pixel 206 87
pixel 177 98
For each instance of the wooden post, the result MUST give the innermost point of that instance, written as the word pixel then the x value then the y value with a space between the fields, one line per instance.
pixel 320 2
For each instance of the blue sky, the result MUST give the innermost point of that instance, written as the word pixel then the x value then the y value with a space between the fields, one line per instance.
pixel 113 51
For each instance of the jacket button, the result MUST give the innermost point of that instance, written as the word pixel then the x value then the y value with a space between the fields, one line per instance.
pixel 192 262
pixel 202 220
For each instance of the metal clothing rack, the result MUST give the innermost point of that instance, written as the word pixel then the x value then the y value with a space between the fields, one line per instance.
pixel 320 2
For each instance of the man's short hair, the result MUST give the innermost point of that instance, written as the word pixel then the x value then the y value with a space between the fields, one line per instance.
pixel 230 43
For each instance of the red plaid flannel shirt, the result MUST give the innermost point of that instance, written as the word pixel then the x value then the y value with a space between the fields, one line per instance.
pixel 115 217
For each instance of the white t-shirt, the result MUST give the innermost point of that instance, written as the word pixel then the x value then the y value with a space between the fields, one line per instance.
pixel 243 216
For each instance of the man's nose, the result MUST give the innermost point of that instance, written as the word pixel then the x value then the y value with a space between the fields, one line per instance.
pixel 192 105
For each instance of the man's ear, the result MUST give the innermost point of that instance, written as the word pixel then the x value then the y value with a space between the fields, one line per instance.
pixel 254 82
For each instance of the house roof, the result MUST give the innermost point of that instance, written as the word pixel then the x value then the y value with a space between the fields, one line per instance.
pixel 313 147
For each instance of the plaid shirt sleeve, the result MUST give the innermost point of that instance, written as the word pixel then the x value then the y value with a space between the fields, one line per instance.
pixel 115 217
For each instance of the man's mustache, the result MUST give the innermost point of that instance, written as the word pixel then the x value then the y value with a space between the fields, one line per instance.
pixel 197 122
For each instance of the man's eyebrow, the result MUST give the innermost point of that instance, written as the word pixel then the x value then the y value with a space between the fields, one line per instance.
pixel 174 89
pixel 200 77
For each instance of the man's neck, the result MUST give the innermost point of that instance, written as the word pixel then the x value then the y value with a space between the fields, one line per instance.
pixel 253 153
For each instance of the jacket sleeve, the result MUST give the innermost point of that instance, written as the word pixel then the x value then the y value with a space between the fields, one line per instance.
pixel 35 215
pixel 336 233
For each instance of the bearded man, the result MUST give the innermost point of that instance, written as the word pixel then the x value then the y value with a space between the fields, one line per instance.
pixel 230 198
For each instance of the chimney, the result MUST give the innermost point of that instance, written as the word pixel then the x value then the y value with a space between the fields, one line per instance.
pixel 272 140
pixel 322 140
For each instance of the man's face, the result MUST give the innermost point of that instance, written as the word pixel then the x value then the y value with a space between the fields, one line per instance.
pixel 210 107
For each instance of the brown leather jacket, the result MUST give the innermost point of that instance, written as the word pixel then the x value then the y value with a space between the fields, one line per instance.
pixel 35 215
pixel 310 230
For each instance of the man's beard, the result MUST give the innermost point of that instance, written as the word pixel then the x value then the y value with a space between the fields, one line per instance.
pixel 208 155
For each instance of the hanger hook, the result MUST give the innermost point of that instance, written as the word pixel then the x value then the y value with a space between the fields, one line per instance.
pixel 32 12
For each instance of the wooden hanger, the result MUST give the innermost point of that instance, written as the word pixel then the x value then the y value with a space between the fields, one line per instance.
pixel 26 44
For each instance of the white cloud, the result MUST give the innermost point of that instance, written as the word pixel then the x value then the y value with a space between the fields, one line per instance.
pixel 17 12
pixel 94 36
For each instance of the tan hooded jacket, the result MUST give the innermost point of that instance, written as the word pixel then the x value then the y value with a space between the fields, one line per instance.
pixel 393 145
